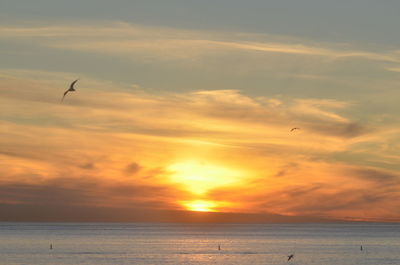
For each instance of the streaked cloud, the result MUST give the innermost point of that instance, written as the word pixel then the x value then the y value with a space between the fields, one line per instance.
pixel 121 144
pixel 170 119
pixel 120 38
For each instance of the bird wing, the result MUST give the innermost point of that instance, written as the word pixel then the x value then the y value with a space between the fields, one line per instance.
pixel 65 93
pixel 71 87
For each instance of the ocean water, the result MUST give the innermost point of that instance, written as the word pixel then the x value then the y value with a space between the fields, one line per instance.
pixel 241 244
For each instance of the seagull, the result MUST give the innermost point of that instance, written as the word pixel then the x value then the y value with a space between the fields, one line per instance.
pixel 295 128
pixel 71 88
pixel 290 257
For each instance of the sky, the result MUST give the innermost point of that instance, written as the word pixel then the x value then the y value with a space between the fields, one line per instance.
pixel 183 110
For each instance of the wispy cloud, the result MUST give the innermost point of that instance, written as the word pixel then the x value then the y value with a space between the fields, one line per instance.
pixel 123 39
pixel 326 190
pixel 120 145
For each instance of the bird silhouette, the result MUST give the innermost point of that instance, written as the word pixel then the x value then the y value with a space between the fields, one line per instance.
pixel 70 89
pixel 295 128
pixel 290 257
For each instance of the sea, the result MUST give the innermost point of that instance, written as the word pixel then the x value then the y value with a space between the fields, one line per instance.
pixel 223 244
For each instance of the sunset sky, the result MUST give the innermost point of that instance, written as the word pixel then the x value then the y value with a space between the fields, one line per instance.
pixel 186 106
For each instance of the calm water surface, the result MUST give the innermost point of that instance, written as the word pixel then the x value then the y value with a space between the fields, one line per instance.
pixel 241 244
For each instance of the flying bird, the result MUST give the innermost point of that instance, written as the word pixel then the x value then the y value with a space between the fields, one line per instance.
pixel 295 128
pixel 290 257
pixel 71 88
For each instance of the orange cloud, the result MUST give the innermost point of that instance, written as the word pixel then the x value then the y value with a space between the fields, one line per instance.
pixel 222 150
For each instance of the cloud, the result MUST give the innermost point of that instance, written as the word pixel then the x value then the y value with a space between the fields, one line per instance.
pixel 80 153
pixel 324 190
pixel 132 169
pixel 376 176
pixel 88 199
pixel 122 39
pixel 196 113
pixel 88 190
pixel 88 166
pixel 368 193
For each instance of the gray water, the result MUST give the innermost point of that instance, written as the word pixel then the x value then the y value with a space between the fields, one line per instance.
pixel 138 243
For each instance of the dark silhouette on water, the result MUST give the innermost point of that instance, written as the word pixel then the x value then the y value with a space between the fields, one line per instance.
pixel 361 248
pixel 290 257
pixel 70 89
pixel 51 246
pixel 219 247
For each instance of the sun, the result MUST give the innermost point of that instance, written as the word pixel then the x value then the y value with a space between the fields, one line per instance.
pixel 204 205
pixel 200 205
pixel 198 178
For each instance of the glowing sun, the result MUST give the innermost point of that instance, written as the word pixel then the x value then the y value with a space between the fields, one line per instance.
pixel 199 178
pixel 200 205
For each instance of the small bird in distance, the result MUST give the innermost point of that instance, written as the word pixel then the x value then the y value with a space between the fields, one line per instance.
pixel 70 89
pixel 295 128
pixel 290 257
